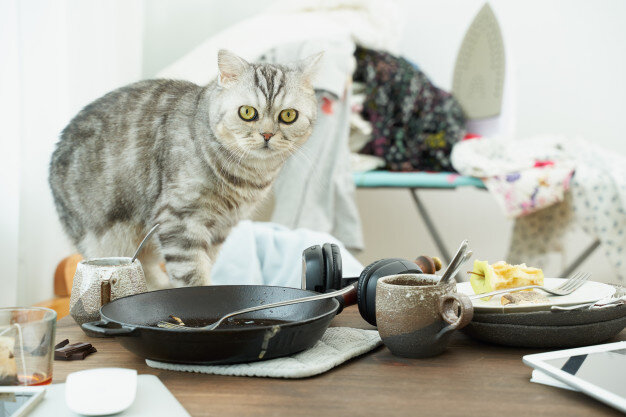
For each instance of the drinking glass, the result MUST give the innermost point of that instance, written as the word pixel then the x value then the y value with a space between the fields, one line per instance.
pixel 26 345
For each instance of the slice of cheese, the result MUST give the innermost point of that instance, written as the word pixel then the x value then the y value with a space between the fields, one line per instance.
pixel 486 278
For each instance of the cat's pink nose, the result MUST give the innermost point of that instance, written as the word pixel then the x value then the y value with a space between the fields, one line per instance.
pixel 267 136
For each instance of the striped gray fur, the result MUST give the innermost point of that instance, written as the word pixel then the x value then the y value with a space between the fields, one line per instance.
pixel 178 154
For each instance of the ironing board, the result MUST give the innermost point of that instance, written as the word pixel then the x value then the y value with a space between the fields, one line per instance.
pixel 415 181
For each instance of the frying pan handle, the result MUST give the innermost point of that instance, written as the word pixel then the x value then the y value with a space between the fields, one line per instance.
pixel 348 298
pixel 94 326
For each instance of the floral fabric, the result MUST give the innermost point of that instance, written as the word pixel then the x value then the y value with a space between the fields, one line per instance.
pixel 594 199
pixel 414 124
pixel 524 192
pixel 523 176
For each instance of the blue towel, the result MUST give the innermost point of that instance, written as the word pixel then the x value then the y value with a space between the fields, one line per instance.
pixel 269 254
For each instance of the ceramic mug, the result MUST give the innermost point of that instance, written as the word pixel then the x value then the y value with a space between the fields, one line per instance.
pixel 416 317
pixel 100 280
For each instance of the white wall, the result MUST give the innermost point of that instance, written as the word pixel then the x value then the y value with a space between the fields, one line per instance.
pixel 173 27
pixel 42 112
pixel 64 54
pixel 10 146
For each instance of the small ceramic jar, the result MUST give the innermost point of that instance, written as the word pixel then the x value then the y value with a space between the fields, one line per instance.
pixel 100 280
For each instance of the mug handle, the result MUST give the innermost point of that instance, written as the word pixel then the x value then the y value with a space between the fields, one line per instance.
pixel 449 312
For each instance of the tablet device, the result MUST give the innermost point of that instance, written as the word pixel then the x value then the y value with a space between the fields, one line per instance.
pixel 598 371
pixel 18 401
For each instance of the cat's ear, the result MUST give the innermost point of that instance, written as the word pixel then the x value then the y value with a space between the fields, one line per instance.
pixel 310 66
pixel 230 67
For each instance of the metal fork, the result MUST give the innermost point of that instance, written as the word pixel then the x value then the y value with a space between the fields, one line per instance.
pixel 168 325
pixel 569 286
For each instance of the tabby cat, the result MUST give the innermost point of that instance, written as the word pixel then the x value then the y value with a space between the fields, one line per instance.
pixel 194 159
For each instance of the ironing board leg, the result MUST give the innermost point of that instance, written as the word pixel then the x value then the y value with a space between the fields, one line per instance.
pixel 581 258
pixel 446 256
pixel 430 226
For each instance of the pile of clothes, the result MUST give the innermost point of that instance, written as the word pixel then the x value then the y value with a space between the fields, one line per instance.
pixel 550 185
pixel 414 124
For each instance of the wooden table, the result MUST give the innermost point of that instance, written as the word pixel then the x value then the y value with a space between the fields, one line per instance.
pixel 470 379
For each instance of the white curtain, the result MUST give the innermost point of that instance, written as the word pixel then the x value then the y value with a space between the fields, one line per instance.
pixel 57 56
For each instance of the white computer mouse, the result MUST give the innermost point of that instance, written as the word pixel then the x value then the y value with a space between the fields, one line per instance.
pixel 101 391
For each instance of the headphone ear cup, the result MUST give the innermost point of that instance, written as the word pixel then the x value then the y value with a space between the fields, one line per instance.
pixel 366 288
pixel 361 293
pixel 313 265
pixel 337 266
pixel 329 268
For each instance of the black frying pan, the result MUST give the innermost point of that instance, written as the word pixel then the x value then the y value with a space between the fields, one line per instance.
pixel 134 318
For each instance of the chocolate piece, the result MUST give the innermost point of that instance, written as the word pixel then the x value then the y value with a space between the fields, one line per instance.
pixel 74 347
pixel 76 356
pixel 61 344
pixel 69 350
pixel 82 355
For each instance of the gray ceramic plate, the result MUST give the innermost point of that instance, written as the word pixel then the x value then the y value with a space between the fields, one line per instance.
pixel 546 336
pixel 547 329
pixel 551 319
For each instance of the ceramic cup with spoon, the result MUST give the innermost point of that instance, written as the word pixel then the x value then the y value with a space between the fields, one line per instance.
pixel 101 280
pixel 416 317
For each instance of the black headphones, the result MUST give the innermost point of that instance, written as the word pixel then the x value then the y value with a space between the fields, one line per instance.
pixel 321 272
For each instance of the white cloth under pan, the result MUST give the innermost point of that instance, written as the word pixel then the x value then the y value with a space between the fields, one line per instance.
pixel 337 345
pixel 257 253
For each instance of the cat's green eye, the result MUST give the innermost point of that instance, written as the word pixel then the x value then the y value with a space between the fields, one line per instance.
pixel 248 113
pixel 288 116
